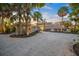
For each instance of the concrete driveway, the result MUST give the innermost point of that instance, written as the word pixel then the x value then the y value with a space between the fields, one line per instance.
pixel 42 44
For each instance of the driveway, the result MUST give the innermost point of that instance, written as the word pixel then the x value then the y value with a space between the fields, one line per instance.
pixel 42 44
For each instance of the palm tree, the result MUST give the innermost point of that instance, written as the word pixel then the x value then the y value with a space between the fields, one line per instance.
pixel 63 12
pixel 72 17
pixel 44 21
pixel 67 24
pixel 21 9
pixel 38 17
pixel 25 10
pixel 28 8
pixel 4 12
pixel 14 7
pixel 73 5
pixel 75 12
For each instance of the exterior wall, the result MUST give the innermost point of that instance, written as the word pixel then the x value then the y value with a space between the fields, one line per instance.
pixel 41 27
pixel 46 26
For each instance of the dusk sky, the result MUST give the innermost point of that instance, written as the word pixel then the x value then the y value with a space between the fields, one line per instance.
pixel 49 11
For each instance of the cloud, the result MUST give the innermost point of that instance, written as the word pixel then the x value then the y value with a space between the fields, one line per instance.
pixel 47 7
pixel 35 10
pixel 52 18
pixel 67 5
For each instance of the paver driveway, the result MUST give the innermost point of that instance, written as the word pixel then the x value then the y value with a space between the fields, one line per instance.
pixel 42 44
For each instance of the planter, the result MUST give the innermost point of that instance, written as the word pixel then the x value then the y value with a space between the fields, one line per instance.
pixel 76 48
pixel 24 35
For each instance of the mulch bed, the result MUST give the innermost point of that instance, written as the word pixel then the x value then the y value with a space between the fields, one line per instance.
pixel 76 48
pixel 23 35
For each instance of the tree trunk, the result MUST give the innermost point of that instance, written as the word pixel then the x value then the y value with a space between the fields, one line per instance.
pixel 44 25
pixel 16 29
pixel 37 25
pixel 29 26
pixel 2 23
pixel 26 25
pixel 75 27
pixel 62 25
pixel 19 28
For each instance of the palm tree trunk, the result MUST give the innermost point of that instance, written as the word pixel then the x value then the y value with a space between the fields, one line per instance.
pixel 16 30
pixel 37 25
pixel 62 25
pixel 62 19
pixel 44 25
pixel 19 28
pixel 26 25
pixel 29 26
pixel 2 23
pixel 75 26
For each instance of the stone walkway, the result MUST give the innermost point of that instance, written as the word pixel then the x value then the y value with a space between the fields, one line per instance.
pixel 42 44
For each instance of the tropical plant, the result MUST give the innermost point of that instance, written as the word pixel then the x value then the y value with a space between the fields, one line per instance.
pixel 4 12
pixel 25 10
pixel 62 12
pixel 67 24
pixel 38 17
pixel 74 15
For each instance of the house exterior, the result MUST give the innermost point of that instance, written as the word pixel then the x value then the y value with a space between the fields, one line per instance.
pixel 45 26
pixel 58 27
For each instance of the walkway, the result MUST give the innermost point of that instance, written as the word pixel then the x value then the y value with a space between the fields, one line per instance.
pixel 42 44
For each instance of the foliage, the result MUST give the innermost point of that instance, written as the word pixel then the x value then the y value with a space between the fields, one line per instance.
pixel 23 10
pixel 63 11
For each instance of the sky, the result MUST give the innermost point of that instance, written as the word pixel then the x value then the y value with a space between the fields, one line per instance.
pixel 49 11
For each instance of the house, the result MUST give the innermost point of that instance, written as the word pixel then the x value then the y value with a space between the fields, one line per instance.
pixel 45 26
pixel 58 27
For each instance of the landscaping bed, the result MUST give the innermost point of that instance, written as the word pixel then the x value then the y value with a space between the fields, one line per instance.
pixel 7 31
pixel 23 35
pixel 76 48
